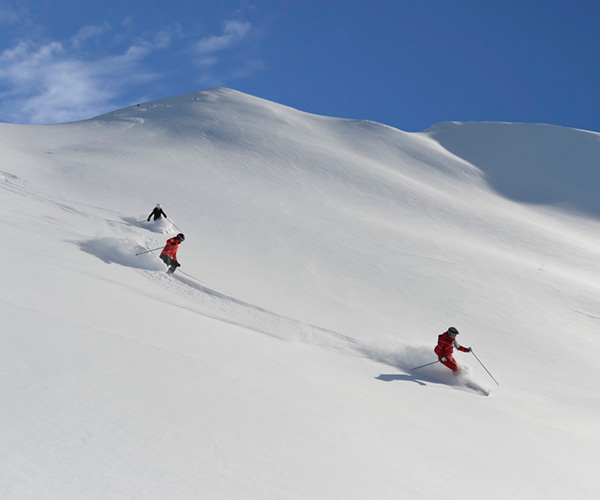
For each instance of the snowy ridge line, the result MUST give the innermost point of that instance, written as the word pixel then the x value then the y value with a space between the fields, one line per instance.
pixel 231 310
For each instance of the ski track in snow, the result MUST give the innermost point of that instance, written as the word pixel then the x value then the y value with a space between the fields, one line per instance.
pixel 593 316
pixel 18 186
pixel 216 305
pixel 206 301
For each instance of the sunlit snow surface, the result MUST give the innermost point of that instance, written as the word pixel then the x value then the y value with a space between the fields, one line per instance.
pixel 322 259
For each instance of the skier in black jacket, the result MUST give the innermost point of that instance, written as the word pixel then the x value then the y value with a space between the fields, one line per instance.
pixel 157 213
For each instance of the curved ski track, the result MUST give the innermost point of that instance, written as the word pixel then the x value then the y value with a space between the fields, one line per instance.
pixel 213 304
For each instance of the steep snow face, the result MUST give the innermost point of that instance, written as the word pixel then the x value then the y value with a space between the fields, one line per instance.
pixel 322 259
pixel 530 163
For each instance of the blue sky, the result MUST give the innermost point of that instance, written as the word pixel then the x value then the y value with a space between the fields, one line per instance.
pixel 408 64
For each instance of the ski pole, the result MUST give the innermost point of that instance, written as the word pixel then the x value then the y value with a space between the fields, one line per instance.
pixel 488 372
pixel 174 224
pixel 423 366
pixel 148 251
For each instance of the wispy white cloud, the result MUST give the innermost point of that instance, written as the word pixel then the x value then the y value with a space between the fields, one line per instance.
pixel 64 81
pixel 57 81
pixel 92 72
pixel 88 33
pixel 228 55
pixel 234 33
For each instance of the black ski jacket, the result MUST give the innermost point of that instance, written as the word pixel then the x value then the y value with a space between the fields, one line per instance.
pixel 158 213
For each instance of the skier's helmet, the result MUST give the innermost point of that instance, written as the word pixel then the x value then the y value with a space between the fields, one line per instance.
pixel 158 205
pixel 452 331
pixel 181 236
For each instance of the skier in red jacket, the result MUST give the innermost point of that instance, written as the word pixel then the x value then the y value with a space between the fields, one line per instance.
pixel 169 253
pixel 445 347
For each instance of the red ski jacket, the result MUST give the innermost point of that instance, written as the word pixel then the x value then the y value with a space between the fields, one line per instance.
pixel 171 247
pixel 446 344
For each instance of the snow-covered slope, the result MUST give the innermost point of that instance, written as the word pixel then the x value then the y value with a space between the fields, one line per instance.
pixel 322 259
